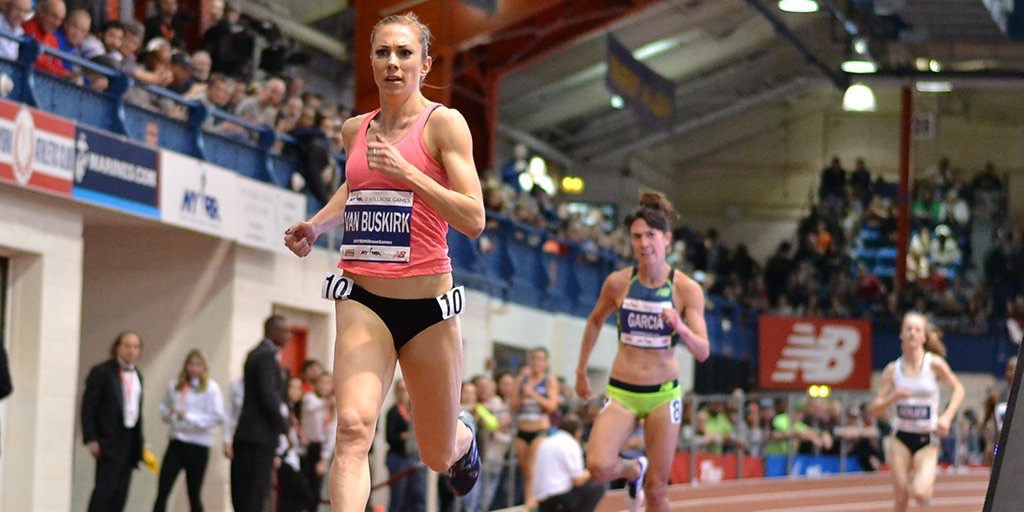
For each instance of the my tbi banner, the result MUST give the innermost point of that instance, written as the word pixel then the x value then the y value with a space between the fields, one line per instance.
pixel 647 93
pixel 203 197
pixel 798 352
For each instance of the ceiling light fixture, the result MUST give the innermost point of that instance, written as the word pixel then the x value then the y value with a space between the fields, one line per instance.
pixel 859 98
pixel 859 60
pixel 801 6
pixel 859 65
pixel 655 48
pixel 934 86
pixel 617 102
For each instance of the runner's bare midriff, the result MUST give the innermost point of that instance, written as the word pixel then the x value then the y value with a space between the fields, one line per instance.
pixel 416 287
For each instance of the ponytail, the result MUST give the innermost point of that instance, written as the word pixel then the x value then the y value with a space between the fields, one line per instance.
pixel 933 342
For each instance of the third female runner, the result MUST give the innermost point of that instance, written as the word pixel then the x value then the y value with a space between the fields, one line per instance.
pixel 658 307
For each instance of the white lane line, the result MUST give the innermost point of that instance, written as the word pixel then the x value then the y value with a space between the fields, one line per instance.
pixel 818 493
pixel 876 505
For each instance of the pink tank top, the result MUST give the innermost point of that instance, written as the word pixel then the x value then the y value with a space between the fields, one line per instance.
pixel 389 232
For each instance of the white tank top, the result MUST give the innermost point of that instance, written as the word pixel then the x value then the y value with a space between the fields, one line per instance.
pixel 919 413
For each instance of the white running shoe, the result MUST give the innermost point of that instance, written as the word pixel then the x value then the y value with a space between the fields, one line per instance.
pixel 635 488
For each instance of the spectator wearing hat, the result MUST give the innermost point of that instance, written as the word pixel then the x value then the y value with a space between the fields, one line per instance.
pixel 181 83
pixel 181 71
pixel 155 70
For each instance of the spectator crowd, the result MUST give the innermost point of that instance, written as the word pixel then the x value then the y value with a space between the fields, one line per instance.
pixel 964 260
pixel 233 64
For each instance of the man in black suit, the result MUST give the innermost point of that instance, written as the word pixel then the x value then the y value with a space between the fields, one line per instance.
pixel 112 422
pixel 261 420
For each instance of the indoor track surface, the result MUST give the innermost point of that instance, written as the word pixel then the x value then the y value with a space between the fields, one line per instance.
pixel 954 492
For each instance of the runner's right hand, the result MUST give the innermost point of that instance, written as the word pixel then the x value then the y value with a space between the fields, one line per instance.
pixel 299 238
pixel 583 388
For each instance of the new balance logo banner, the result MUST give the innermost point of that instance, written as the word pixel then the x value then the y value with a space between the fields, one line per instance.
pixel 798 352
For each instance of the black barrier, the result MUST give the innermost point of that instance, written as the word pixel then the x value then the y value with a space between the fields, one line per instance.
pixel 1009 464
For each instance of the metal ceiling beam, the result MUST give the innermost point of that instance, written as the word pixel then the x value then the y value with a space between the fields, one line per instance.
pixel 623 152
pixel 838 79
pixel 299 31
pixel 746 133
pixel 991 79
pixel 315 10
pixel 758 58
pixel 539 146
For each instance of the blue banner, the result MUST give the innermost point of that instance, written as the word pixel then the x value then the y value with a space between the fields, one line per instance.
pixel 113 172
pixel 808 465
pixel 647 93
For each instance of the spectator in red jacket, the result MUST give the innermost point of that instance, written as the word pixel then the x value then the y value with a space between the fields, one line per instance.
pixel 48 18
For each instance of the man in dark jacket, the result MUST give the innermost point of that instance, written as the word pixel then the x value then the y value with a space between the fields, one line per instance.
pixel 112 422
pixel 261 420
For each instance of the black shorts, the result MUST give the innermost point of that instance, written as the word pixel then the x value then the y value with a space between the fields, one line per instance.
pixel 404 318
pixel 914 441
pixel 530 436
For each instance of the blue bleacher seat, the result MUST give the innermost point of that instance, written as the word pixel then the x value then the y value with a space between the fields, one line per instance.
pixel 887 254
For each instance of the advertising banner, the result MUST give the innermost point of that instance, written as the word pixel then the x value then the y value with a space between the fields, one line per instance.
pixel 37 149
pixel 712 468
pixel 198 196
pixel 798 352
pixel 647 93
pixel 266 211
pixel 213 200
pixel 114 172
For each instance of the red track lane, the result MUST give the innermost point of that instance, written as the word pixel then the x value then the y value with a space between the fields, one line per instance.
pixel 963 492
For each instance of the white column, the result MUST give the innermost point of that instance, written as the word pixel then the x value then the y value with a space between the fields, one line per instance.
pixel 45 316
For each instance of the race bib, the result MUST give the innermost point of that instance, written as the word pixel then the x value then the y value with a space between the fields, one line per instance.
pixel 336 287
pixel 642 325
pixel 677 411
pixel 914 412
pixel 451 303
pixel 378 226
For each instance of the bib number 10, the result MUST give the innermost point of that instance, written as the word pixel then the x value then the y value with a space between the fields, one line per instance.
pixel 336 287
pixel 452 302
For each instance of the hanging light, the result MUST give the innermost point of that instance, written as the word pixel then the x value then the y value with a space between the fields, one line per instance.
pixel 617 102
pixel 932 86
pixel 859 60
pixel 859 65
pixel 859 98
pixel 801 6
